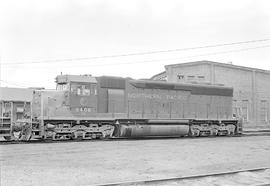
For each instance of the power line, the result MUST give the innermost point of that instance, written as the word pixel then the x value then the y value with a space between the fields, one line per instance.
pixel 186 57
pixel 136 54
pixel 171 59
pixel 150 61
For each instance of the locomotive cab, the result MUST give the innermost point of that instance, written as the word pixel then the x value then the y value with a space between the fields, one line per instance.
pixel 81 92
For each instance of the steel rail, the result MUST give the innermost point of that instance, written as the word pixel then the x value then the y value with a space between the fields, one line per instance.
pixel 190 177
pixel 127 139
pixel 114 139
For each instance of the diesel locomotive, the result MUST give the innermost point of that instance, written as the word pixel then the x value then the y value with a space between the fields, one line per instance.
pixel 87 107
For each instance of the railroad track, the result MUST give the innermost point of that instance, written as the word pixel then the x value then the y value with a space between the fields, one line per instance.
pixel 3 142
pixel 174 180
pixel 256 133
pixel 113 139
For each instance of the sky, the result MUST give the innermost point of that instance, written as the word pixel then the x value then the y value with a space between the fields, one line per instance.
pixel 41 39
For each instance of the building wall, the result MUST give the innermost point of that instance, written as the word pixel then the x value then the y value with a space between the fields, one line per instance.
pixel 243 84
pixel 251 87
pixel 263 98
pixel 199 73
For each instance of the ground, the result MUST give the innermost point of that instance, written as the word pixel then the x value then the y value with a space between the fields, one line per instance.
pixel 99 162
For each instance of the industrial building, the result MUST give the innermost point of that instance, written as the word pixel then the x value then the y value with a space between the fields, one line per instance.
pixel 251 86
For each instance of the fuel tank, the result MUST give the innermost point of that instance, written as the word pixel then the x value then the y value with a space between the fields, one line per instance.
pixel 148 130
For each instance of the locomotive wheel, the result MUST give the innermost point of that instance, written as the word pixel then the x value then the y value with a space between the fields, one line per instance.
pixel 230 133
pixel 24 134
pixel 49 135
pixel 231 130
pixel 99 136
pixel 94 136
pixel 7 138
pixel 214 132
pixel 194 132
pixel 59 136
pixel 221 133
pixel 21 136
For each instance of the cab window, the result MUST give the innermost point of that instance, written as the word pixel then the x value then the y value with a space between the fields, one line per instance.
pixel 93 89
pixel 85 90
pixel 80 89
pixel 62 87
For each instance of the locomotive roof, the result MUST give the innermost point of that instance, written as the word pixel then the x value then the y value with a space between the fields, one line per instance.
pixel 112 82
pixel 60 79
pixel 198 89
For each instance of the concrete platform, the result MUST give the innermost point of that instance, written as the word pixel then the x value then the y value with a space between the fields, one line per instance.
pixel 98 162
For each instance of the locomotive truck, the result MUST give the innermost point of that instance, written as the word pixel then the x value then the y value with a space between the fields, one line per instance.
pixel 87 107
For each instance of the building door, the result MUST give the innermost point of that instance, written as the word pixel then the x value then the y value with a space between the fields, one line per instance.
pixel 263 111
pixel 245 110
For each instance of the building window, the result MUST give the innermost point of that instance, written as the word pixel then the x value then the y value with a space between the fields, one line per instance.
pixel 191 78
pixel 263 111
pixel 245 110
pixel 201 78
pixel 94 89
pixel 180 77
pixel 162 78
